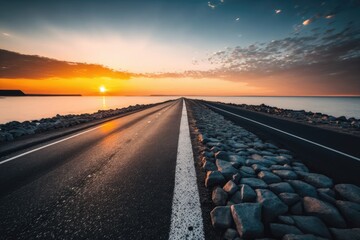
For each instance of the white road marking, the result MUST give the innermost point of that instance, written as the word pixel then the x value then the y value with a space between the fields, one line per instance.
pixel 186 218
pixel 292 135
pixel 50 144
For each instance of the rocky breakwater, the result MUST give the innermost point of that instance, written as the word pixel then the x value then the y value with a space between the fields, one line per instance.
pixel 13 130
pixel 261 191
pixel 343 124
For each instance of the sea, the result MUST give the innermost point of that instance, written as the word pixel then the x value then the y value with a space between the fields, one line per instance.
pixel 32 108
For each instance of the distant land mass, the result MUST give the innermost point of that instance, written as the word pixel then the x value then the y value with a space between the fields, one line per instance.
pixel 19 93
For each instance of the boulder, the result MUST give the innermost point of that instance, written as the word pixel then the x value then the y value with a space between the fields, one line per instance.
pixel 247 170
pixel 349 192
pixel 272 205
pixel 257 168
pixel 297 209
pixel 286 220
pixel 214 178
pixel 300 237
pixel 325 211
pixel 350 211
pixel 279 230
pixel 313 225
pixel 209 166
pixel 247 218
pixel 289 198
pixel 282 187
pixel 247 194
pixel 230 234
pixel 303 189
pixel 236 178
pixel 222 155
pixel 221 217
pixel 346 234
pixel 269 177
pixel 318 180
pixel 219 196
pixel 254 182
pixel 237 159
pixel 236 198
pixel 225 168
pixel 230 187
pixel 286 174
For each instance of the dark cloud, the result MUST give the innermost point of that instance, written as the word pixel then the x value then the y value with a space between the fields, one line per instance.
pixel 16 65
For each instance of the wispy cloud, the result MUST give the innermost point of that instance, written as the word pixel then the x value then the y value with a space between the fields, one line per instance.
pixel 6 34
pixel 277 11
pixel 211 5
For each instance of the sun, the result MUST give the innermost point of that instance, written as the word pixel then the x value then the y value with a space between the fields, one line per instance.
pixel 102 89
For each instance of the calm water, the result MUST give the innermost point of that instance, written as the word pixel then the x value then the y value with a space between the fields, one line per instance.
pixel 31 108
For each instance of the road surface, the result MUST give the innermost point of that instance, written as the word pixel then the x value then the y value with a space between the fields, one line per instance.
pixel 331 153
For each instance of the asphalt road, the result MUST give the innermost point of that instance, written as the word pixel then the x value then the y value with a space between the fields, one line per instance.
pixel 115 182
pixel 341 168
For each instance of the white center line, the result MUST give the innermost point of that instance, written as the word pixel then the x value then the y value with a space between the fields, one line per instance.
pixel 289 134
pixel 50 144
pixel 186 218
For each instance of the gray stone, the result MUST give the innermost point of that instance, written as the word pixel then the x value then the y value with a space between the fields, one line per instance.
pixel 299 237
pixel 323 195
pixel 237 159
pixel 219 196
pixel 272 205
pixel 209 166
pixel 236 178
pixel 230 187
pixel 268 177
pixel 236 197
pixel 318 180
pixel 349 192
pixel 247 170
pixel 297 209
pixel 286 220
pixel 221 217
pixel 226 169
pixel 214 178
pixel 285 174
pixel 256 157
pixel 280 230
pixel 222 155
pixel 325 211
pixel 346 234
pixel 280 167
pixel 247 218
pixel 230 234
pixel 247 194
pixel 313 225
pixel 254 182
pixel 257 168
pixel 289 198
pixel 351 212
pixel 303 189
pixel 282 187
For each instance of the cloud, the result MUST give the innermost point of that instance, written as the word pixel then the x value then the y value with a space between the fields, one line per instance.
pixel 15 65
pixel 6 34
pixel 237 19
pixel 277 11
pixel 308 21
pixel 211 5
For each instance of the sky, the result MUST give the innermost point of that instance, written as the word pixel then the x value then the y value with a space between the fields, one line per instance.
pixel 186 47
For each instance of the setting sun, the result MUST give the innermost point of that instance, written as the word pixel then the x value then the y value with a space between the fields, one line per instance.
pixel 102 89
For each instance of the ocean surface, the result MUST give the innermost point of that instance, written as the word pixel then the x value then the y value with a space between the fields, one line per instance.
pixel 31 108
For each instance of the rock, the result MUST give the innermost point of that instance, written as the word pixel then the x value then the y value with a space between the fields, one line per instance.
pixel 279 230
pixel 285 174
pixel 236 198
pixel 281 187
pixel 300 167
pixel 257 168
pixel 313 225
pixel 214 178
pixel 297 209
pixel 269 177
pixel 247 218
pixel 254 182
pixel 289 198
pixel 272 205
pixel 318 180
pixel 256 157
pixel 299 237
pixel 236 178
pixel 209 166
pixel 349 192
pixel 247 194
pixel 351 212
pixel 346 234
pixel 325 211
pixel 280 167
pixel 248 170
pixel 286 220
pixel 230 234
pixel 303 189
pixel 225 168
pixel 219 196
pixel 221 217
pixel 323 195
pixel 222 155
pixel 230 187
pixel 237 159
